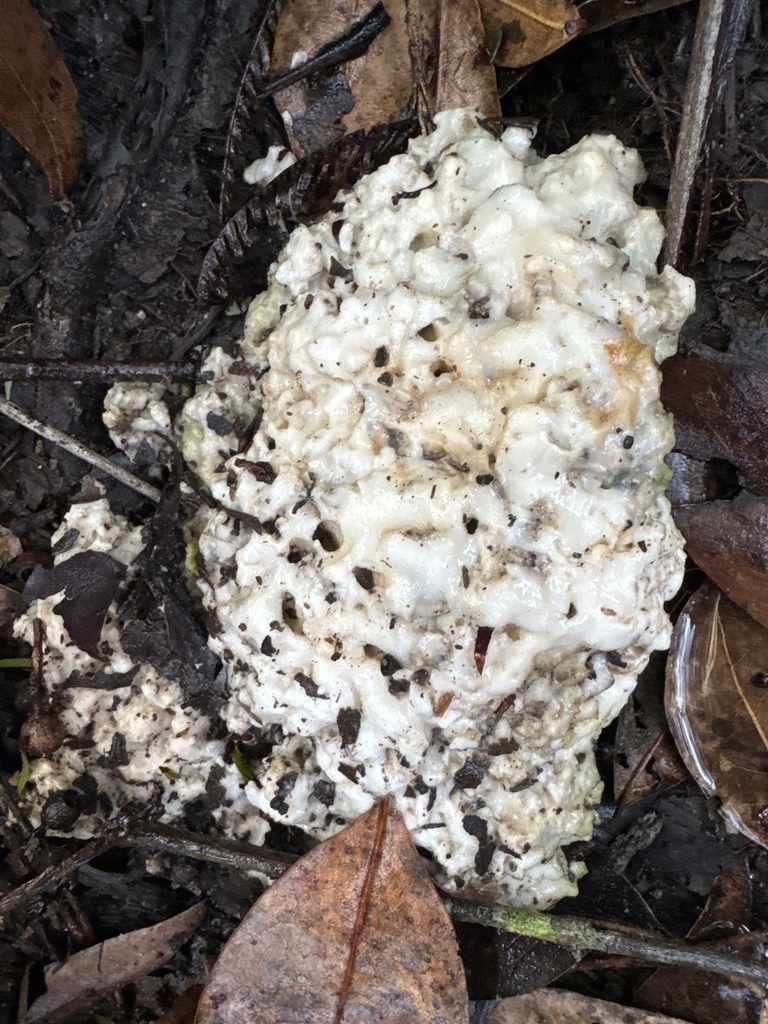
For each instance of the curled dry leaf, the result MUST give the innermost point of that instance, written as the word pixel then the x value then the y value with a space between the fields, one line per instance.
pixel 465 75
pixel 38 99
pixel 520 32
pixel 99 970
pixel 729 541
pixel 354 931
pixel 717 705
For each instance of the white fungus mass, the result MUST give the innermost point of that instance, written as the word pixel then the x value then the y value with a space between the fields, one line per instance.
pixel 445 417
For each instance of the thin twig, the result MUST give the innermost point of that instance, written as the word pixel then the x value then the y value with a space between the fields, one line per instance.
pixel 96 370
pixel 353 43
pixel 69 444
pixel 581 935
pixel 52 877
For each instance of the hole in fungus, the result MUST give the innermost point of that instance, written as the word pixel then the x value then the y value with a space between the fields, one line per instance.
pixel 297 551
pixel 440 367
pixel 381 356
pixel 470 525
pixel 291 615
pixel 328 535
pixel 571 611
pixel 429 333
pixel 422 241
pixel 364 577
pixel 372 651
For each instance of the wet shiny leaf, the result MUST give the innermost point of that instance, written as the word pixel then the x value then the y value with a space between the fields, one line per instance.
pixel 255 124
pixel 717 705
pixel 523 31
pixel 354 930
pixel 38 99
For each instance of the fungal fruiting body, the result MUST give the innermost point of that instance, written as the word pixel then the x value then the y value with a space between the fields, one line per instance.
pixel 436 548
pixel 445 416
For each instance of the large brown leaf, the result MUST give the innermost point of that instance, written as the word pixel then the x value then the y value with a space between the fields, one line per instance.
pixel 717 705
pixel 355 930
pixel 38 99
pixel 729 541
pixel 520 32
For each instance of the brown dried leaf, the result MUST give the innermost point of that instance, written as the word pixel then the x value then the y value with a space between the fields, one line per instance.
pixel 717 706
pixel 551 1006
pixel 465 75
pixel 97 971
pixel 38 99
pixel 524 31
pixel 720 404
pixel 729 541
pixel 354 928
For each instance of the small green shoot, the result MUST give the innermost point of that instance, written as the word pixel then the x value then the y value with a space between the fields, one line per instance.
pixel 239 761
pixel 23 775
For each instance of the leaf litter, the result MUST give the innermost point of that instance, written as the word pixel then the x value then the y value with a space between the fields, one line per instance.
pixel 355 931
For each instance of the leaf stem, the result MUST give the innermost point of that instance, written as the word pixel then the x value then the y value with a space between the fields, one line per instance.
pixel 579 934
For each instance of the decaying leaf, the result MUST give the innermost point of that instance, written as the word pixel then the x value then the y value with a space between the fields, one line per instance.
pixel 698 995
pixel 235 267
pixel 90 581
pixel 465 75
pixel 720 405
pixel 551 1006
pixel 38 99
pixel 717 705
pixel 520 32
pixel 729 541
pixel 355 930
pixel 99 970
pixel 370 89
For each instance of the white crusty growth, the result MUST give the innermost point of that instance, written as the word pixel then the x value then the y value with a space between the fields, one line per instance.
pixel 461 447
